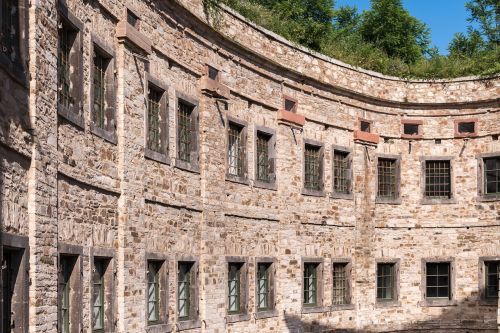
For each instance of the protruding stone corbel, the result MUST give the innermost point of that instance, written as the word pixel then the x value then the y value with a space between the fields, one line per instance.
pixel 291 118
pixel 365 137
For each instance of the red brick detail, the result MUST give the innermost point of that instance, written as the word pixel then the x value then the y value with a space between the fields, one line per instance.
pixel 126 31
pixel 466 120
pixel 366 137
pixel 215 87
pixel 291 118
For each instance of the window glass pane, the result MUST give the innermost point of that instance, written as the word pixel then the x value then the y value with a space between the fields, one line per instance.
pixel 438 280
pixel 99 85
pixel 466 127
pixel 385 281
pixel 183 292
pixel 234 288
pixel 235 150
pixel 98 293
pixel 66 39
pixel 185 130
pixel 263 286
pixel 492 175
pixel 154 119
pixel 290 105
pixel 410 129
pixel 263 165
pixel 312 168
pixel 387 178
pixel 492 269
pixel 153 291
pixel 341 172
pixel 437 179
pixel 365 126
pixel 310 284
pixel 340 292
pixel 9 29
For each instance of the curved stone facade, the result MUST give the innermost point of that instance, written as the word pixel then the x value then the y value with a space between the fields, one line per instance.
pixel 83 185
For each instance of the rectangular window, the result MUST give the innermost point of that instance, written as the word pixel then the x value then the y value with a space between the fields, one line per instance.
pixel 184 290
pixel 492 175
pixel 264 169
pixel 387 178
pixel 132 19
pixel 66 266
pixel 236 150
pixel 385 281
pixel 492 274
pixel 466 127
pixel 8 271
pixel 213 73
pixel 290 105
pixel 341 172
pixel 154 140
pixel 312 168
pixel 153 291
pixel 263 287
pixel 9 30
pixel 98 287
pixel 310 284
pixel 411 129
pixel 438 280
pixel 67 37
pixel 99 85
pixel 185 131
pixel 234 287
pixel 365 126
pixel 437 179
pixel 340 284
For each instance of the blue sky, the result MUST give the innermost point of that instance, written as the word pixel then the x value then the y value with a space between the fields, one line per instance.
pixel 444 17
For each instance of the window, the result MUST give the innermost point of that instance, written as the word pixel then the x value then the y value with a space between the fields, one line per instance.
pixel 290 104
pixel 234 288
pixel 265 153
pixel 67 297
pixel 187 133
pixel 236 152
pixel 313 168
pixel 387 179
pixel 410 129
pixel 492 274
pixel 98 288
pixel 365 126
pixel 312 289
pixel 153 291
pixel 157 122
pixel 213 73
pixel 342 172
pixel 9 30
pixel 438 280
pixel 187 294
pixel 69 67
pixel 132 19
pixel 14 283
pixel 492 176
pixel 466 127
pixel 103 92
pixel 263 288
pixel 341 284
pixel 437 179
pixel 385 282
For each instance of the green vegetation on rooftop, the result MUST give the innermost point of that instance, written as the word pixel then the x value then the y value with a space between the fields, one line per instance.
pixel 385 39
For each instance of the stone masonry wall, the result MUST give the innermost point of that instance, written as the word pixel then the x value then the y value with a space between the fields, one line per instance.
pixel 66 184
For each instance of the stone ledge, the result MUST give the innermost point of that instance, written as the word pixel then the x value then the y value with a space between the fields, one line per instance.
pixel 366 137
pixel 291 118
pixel 125 31
pixel 214 87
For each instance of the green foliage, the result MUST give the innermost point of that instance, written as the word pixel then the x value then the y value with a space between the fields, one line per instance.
pixel 386 38
pixel 391 27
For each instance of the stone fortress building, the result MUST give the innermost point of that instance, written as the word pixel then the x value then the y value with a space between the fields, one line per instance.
pixel 161 175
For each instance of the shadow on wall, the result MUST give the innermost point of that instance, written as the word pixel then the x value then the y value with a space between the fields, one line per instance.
pixel 465 317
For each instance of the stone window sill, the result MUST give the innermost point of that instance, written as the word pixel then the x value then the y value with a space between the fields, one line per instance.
pixel 313 193
pixel 268 186
pixel 428 201
pixel 437 303
pixel 188 324
pixel 388 201
pixel 156 156
pixel 314 309
pixel 266 314
pixel 387 304
pixel 342 307
pixel 346 196
pixel 70 116
pixel 159 328
pixel 186 166
pixel 489 198
pixel 488 302
pixel 103 134
pixel 234 318
pixel 237 179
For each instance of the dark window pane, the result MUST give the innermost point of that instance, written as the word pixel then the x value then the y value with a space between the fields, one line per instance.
pixel 183 290
pixel 410 129
pixel 437 179
pixel 132 19
pixel 443 292
pixel 235 151
pixel 492 270
pixel 438 280
pixel 341 172
pixel 154 119
pixel 312 167
pixel 432 292
pixel 263 165
pixel 290 105
pixel 385 281
pixel 466 127
pixel 365 126
pixel 310 284
pixel 213 73
pixel 387 178
pixel 492 175
pixel 263 290
pixel 99 84
pixel 66 39
pixel 340 292
pixel 185 129
pixel 9 29
pixel 233 285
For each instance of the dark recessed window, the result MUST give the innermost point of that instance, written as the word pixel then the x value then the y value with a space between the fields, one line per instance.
pixel 132 19
pixel 98 289
pixel 437 179
pixel 234 288
pixel 466 127
pixel 312 167
pixel 100 89
pixel 236 150
pixel 492 269
pixel 365 126
pixel 66 308
pixel 341 172
pixel 311 284
pixel 265 167
pixel 386 281
pixel 9 29
pixel 153 291
pixel 290 105
pixel 264 297
pixel 411 129
pixel 492 175
pixel 67 37
pixel 438 280
pixel 213 73
pixel 186 282
pixel 185 131
pixel 340 284
pixel 387 178
pixel 154 119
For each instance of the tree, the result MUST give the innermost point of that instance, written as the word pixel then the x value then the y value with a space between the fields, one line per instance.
pixel 487 14
pixel 466 45
pixel 390 26
pixel 346 19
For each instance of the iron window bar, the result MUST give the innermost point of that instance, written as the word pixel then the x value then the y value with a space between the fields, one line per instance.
pixel 310 284
pixel 185 129
pixel 387 178
pixel 385 282
pixel 340 286
pixel 99 83
pixel 98 301
pixel 263 165
pixel 341 172
pixel 312 168
pixel 183 291
pixel 234 288
pixel 153 292
pixel 437 179
pixel 235 153
pixel 154 103
pixel 263 286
